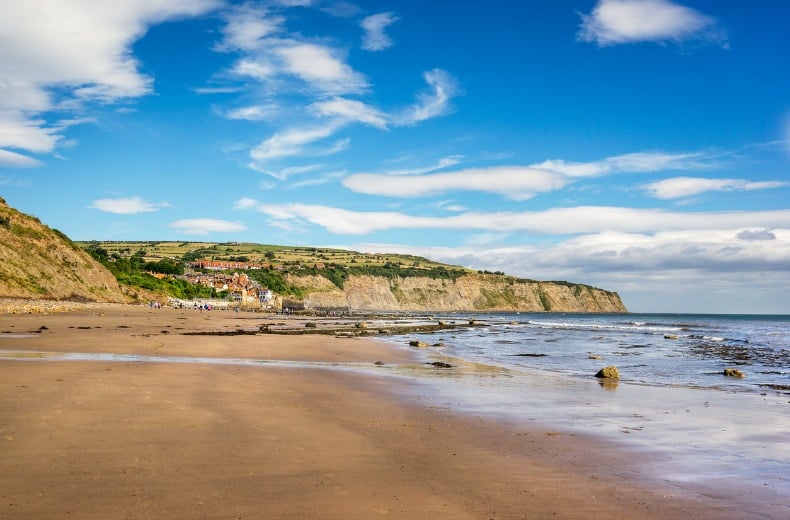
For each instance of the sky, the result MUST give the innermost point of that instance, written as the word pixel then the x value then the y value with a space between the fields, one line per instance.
pixel 640 146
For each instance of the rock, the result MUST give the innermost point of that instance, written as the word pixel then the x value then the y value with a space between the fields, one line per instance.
pixel 440 364
pixel 361 325
pixel 594 357
pixel 310 325
pixel 443 323
pixel 418 344
pixel 379 363
pixel 670 336
pixel 733 372
pixel 609 372
pixel 514 323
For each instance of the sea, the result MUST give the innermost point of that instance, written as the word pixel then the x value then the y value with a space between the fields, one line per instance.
pixel 681 350
pixel 703 432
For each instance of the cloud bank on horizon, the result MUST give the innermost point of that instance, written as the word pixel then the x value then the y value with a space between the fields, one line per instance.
pixel 638 145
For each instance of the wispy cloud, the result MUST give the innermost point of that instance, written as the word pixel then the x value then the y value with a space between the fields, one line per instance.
pixel 206 226
pixel 449 205
pixel 217 90
pixel 295 141
pixel 245 203
pixel 351 110
pixel 312 79
pixel 254 112
pixel 272 55
pixel 127 205
pixel 444 162
pixel 434 102
pixel 317 181
pixel 321 67
pixel 680 187
pixel 519 182
pixel 247 28
pixel 639 162
pixel 11 159
pixel 82 51
pixel 562 221
pixel 614 22
pixel 516 182
pixel 375 39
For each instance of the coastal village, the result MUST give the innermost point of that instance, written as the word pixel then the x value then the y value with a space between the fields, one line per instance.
pixel 235 288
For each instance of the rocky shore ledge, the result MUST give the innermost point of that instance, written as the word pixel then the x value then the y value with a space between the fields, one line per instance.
pixel 34 306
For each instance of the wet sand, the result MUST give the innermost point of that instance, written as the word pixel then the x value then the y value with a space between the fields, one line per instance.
pixel 100 439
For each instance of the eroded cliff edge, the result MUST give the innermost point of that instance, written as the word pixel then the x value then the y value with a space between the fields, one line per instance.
pixel 41 263
pixel 472 292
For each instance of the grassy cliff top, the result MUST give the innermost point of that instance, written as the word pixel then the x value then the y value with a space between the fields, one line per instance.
pixel 265 253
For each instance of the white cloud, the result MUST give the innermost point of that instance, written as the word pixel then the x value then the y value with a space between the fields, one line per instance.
pixel 626 21
pixel 443 162
pixel 341 9
pixel 449 205
pixel 217 90
pixel 435 102
pixel 323 179
pixel 517 182
pixel 253 113
pixel 351 110
pixel 10 159
pixel 245 203
pixel 679 187
pixel 563 221
pixel 321 67
pixel 80 48
pixel 374 38
pixel 259 68
pixel 247 27
pixel 638 162
pixel 294 141
pixel 127 205
pixel 206 226
pixel 25 132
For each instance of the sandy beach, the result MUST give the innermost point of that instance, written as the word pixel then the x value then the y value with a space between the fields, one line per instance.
pixel 122 438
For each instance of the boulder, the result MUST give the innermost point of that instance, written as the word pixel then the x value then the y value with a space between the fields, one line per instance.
pixel 670 336
pixel 609 372
pixel 361 325
pixel 733 372
pixel 418 344
pixel 310 325
pixel 440 364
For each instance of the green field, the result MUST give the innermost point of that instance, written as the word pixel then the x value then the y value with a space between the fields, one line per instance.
pixel 263 253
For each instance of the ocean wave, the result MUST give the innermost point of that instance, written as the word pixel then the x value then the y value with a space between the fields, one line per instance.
pixel 602 326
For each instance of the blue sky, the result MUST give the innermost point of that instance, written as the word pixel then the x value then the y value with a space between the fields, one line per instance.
pixel 641 146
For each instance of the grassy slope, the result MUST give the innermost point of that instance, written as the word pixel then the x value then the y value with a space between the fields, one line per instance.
pixel 307 256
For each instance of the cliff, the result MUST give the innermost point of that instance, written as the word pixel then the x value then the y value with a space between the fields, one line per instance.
pixel 472 292
pixel 42 263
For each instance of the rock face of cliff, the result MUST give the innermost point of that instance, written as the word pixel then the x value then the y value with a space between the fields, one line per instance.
pixel 39 262
pixel 473 292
